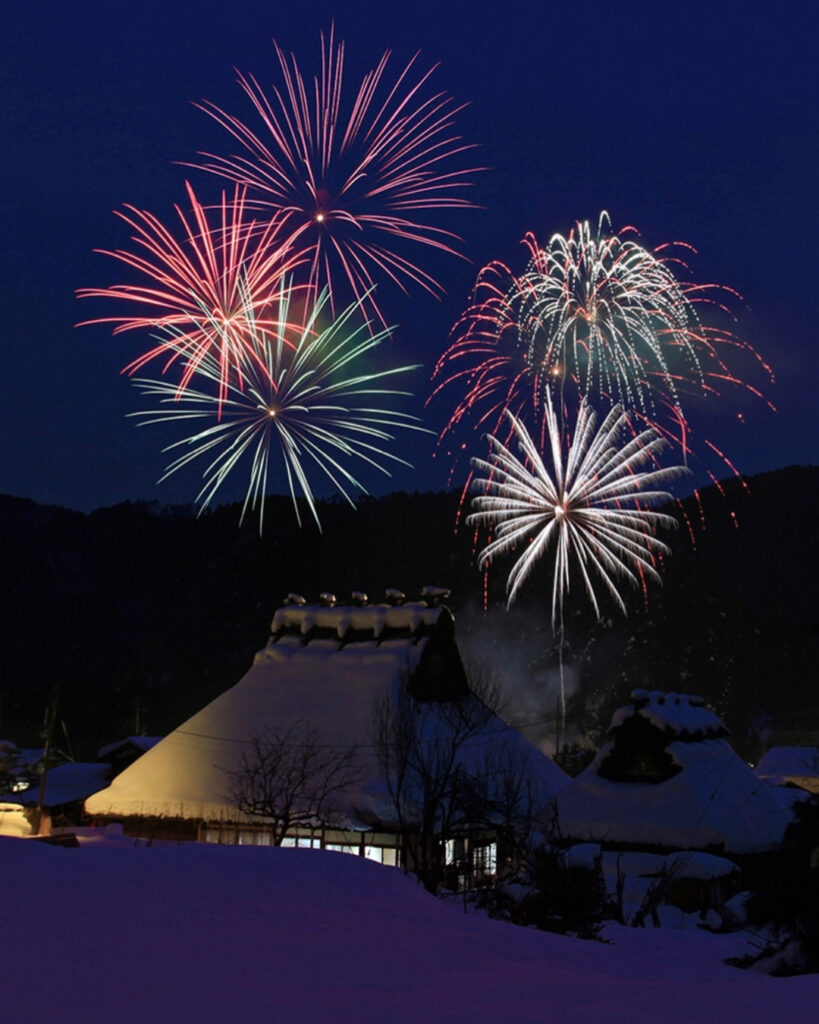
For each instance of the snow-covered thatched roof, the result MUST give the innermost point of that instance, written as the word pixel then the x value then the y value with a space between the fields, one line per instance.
pixel 682 715
pixel 72 781
pixel 667 777
pixel 798 766
pixel 371 622
pixel 66 783
pixel 326 666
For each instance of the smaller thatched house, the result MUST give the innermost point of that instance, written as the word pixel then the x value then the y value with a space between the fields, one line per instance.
pixel 668 779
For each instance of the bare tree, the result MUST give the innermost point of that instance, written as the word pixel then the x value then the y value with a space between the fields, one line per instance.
pixel 502 796
pixel 453 769
pixel 484 679
pixel 448 774
pixel 289 778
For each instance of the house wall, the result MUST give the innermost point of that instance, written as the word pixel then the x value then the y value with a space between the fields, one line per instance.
pixel 160 829
pixel 383 847
pixel 469 859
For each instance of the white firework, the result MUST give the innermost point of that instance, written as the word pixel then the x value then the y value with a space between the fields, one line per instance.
pixel 603 308
pixel 593 507
pixel 595 313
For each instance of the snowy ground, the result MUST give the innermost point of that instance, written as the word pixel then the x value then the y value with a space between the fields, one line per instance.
pixel 124 933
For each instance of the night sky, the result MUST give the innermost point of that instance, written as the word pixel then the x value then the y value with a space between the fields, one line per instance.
pixel 693 121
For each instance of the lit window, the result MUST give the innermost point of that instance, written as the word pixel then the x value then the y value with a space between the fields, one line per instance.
pixel 342 848
pixel 485 859
pixel 302 842
pixel 254 837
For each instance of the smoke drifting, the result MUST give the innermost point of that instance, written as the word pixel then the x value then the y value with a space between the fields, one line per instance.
pixel 515 650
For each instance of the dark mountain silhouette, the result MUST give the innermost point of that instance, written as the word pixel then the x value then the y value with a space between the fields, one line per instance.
pixel 142 613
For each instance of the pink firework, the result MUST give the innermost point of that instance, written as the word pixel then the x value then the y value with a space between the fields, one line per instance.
pixel 198 287
pixel 350 184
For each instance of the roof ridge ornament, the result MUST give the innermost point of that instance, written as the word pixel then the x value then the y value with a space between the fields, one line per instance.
pixel 434 595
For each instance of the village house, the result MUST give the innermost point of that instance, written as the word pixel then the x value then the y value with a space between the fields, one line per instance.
pixel 673 810
pixel 320 684
pixel 62 788
pixel 122 753
pixel 667 778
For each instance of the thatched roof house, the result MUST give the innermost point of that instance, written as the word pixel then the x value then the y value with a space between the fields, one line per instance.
pixel 668 778
pixel 326 665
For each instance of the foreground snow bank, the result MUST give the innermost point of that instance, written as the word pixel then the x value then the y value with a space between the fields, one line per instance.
pixel 206 933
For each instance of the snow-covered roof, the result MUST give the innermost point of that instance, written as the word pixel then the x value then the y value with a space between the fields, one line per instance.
pixel 347 623
pixel 142 743
pixel 66 784
pixel 711 798
pixel 25 758
pixel 791 766
pixel 682 714
pixel 326 666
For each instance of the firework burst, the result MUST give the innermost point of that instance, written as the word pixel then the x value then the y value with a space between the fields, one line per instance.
pixel 197 289
pixel 594 314
pixel 351 184
pixel 295 403
pixel 593 507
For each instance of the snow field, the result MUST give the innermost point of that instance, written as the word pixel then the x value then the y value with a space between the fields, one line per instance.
pixel 117 932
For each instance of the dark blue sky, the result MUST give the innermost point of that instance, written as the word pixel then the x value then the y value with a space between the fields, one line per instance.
pixel 693 121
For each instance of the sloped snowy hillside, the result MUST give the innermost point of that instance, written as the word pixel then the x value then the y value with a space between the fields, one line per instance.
pixel 114 932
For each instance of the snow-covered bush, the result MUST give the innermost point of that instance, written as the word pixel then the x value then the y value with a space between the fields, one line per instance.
pixel 554 892
pixel 786 904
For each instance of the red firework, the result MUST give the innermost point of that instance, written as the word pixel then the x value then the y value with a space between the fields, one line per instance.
pixel 198 287
pixel 347 183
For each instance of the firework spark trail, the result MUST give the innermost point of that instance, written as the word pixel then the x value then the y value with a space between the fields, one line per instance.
pixel 197 288
pixel 300 396
pixel 350 190
pixel 594 314
pixel 593 506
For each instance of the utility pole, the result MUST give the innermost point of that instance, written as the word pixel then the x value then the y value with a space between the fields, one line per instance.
pixel 558 720
pixel 47 733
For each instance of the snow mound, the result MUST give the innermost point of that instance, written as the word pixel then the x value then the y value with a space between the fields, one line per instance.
pixel 209 934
